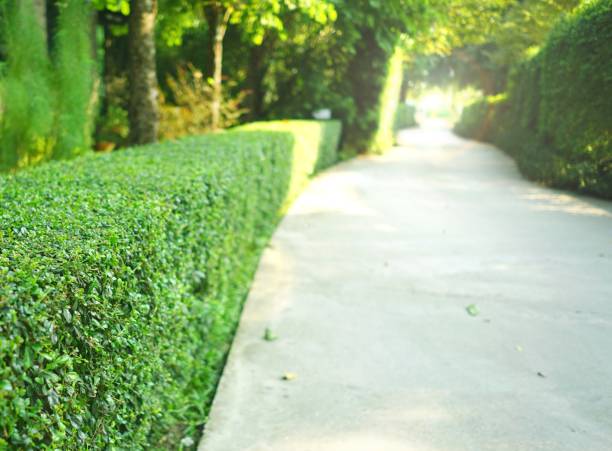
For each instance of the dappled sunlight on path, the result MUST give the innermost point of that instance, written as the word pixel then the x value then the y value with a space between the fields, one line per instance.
pixel 551 201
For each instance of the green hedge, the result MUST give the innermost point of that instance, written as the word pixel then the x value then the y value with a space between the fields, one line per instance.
pixel 388 103
pixel 479 119
pixel 308 135
pixel 373 81
pixel 122 277
pixel 556 118
pixel 405 117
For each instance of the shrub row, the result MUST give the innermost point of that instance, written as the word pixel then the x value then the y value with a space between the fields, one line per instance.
pixel 405 117
pixel 122 277
pixel 555 119
pixel 375 84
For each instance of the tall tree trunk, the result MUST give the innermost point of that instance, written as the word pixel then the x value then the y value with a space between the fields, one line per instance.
pixel 218 19
pixel 40 9
pixel 255 78
pixel 143 108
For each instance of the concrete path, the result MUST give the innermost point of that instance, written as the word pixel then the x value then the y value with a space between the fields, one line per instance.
pixel 366 284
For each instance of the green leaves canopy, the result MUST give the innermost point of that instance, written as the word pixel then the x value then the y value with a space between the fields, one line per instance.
pixel 254 17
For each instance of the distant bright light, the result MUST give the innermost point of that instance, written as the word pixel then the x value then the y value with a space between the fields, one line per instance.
pixel 433 101
pixel 436 105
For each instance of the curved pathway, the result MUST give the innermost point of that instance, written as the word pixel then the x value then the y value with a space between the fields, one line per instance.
pixel 366 284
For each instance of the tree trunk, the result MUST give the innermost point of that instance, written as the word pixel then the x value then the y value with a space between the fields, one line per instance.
pixel 143 108
pixel 218 19
pixel 255 78
pixel 40 9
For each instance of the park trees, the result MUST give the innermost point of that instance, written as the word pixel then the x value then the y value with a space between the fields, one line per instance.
pixel 255 19
pixel 478 42
pixel 372 42
pixel 285 58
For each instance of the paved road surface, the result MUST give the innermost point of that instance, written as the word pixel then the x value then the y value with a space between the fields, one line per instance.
pixel 366 283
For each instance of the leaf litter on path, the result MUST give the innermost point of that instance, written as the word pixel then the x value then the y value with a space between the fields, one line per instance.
pixel 472 310
pixel 269 335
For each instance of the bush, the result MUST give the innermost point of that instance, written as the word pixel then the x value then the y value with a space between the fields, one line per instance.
pixel 112 124
pixel 122 277
pixel 405 117
pixel 374 83
pixel 556 120
pixel 388 103
pixel 352 67
pixel 308 135
pixel 478 119
pixel 473 120
pixel 190 112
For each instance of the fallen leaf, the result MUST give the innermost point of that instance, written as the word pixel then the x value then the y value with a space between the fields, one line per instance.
pixel 269 335
pixel 472 310
pixel 541 374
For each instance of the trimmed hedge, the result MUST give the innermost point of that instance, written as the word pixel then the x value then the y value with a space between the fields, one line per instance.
pixel 405 117
pixel 308 135
pixel 556 118
pixel 122 278
pixel 478 120
pixel 388 103
pixel 373 81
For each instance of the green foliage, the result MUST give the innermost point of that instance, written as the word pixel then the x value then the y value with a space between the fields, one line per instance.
pixel 352 67
pixel 374 82
pixel 119 6
pixel 556 120
pixel 387 20
pixel 472 120
pixel 74 72
pixel 576 70
pixel 479 119
pixel 112 125
pixel 477 42
pixel 279 90
pixel 388 103
pixel 405 117
pixel 254 17
pixel 524 27
pixel 324 135
pixel 368 59
pixel 26 94
pixel 189 112
pixel 296 57
pixel 122 278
